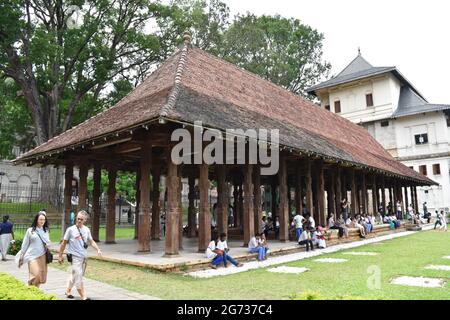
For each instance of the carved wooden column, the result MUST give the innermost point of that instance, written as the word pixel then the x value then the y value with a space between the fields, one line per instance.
pixel 332 209
pixel 364 193
pixel 320 193
pixel 172 213
pixel 144 232
pixel 354 193
pixel 249 212
pixel 273 191
pixel 338 196
pixel 192 223
pixel 383 194
pixel 284 206
pixel 82 187
pixel 235 204
pixel 222 199
pixel 204 218
pixel 416 200
pixel 68 176
pixel 156 194
pixel 257 197
pixel 96 193
pixel 138 201
pixel 298 190
pixel 374 194
pixel 309 192
pixel 180 210
pixel 111 212
pixel 405 188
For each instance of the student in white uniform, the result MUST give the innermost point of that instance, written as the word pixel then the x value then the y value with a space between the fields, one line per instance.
pixel 222 245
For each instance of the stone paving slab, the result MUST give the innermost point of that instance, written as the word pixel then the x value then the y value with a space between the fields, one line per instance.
pixel 57 280
pixel 419 282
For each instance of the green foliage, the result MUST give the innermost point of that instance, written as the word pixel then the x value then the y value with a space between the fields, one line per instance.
pixel 283 51
pixel 125 185
pixel 317 295
pixel 13 289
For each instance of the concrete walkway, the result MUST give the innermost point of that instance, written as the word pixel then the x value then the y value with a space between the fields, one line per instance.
pixel 57 279
pixel 297 256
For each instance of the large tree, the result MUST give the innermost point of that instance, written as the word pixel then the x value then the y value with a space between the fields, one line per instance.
pixel 63 54
pixel 281 50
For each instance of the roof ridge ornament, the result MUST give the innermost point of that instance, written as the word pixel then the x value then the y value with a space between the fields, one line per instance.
pixel 359 51
pixel 187 37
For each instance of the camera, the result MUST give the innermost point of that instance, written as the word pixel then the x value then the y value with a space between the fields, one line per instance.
pixel 85 245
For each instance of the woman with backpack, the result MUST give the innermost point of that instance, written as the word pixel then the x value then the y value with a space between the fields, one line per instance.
pixel 34 250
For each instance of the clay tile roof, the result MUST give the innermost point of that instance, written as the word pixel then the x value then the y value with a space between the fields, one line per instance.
pixel 193 85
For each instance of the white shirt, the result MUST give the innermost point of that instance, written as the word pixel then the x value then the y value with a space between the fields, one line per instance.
pixel 210 254
pixel 298 221
pixel 312 222
pixel 76 238
pixel 32 246
pixel 222 245
pixel 253 243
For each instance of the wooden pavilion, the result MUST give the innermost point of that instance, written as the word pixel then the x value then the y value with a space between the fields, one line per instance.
pixel 320 153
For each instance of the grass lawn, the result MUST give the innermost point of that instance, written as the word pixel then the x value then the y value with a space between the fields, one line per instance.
pixel 55 234
pixel 403 256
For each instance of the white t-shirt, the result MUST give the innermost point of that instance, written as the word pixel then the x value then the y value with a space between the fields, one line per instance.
pixel 312 222
pixel 75 240
pixel 298 221
pixel 222 245
pixel 210 254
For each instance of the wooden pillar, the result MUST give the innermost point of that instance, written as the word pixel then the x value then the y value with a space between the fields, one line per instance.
pixel 284 206
pixel 96 193
pixel 332 208
pixel 364 201
pixel 273 191
pixel 257 198
pixel 82 187
pixel 240 206
pixel 249 212
pixel 192 223
pixel 309 192
pixel 405 189
pixel 416 201
pixel 144 232
pixel 235 204
pixel 222 199
pixel 354 193
pixel 156 194
pixel 204 218
pixel 68 176
pixel 344 185
pixel 298 191
pixel 338 196
pixel 391 198
pixel 374 194
pixel 138 201
pixel 111 212
pixel 172 214
pixel 320 192
pixel 180 210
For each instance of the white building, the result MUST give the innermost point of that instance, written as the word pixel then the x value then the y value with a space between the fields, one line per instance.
pixel 398 116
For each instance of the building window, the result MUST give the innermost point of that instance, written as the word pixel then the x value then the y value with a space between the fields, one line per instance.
pixel 436 169
pixel 423 170
pixel 369 100
pixel 385 123
pixel 421 138
pixel 327 107
pixel 337 106
pixel 411 168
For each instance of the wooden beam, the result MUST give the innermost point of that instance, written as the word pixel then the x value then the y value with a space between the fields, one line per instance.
pixel 249 213
pixel 111 212
pixel 96 193
pixel 155 202
pixel 204 218
pixel 172 213
pixel 284 205
pixel 68 176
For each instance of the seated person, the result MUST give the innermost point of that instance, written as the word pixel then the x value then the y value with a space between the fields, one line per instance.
pixel 305 237
pixel 319 238
pixel 214 254
pixel 362 231
pixel 222 245
pixel 263 242
pixel 254 247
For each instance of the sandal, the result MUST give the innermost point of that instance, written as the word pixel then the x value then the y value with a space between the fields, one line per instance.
pixel 68 296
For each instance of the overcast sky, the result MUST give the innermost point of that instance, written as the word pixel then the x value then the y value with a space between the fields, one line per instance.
pixel 412 35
